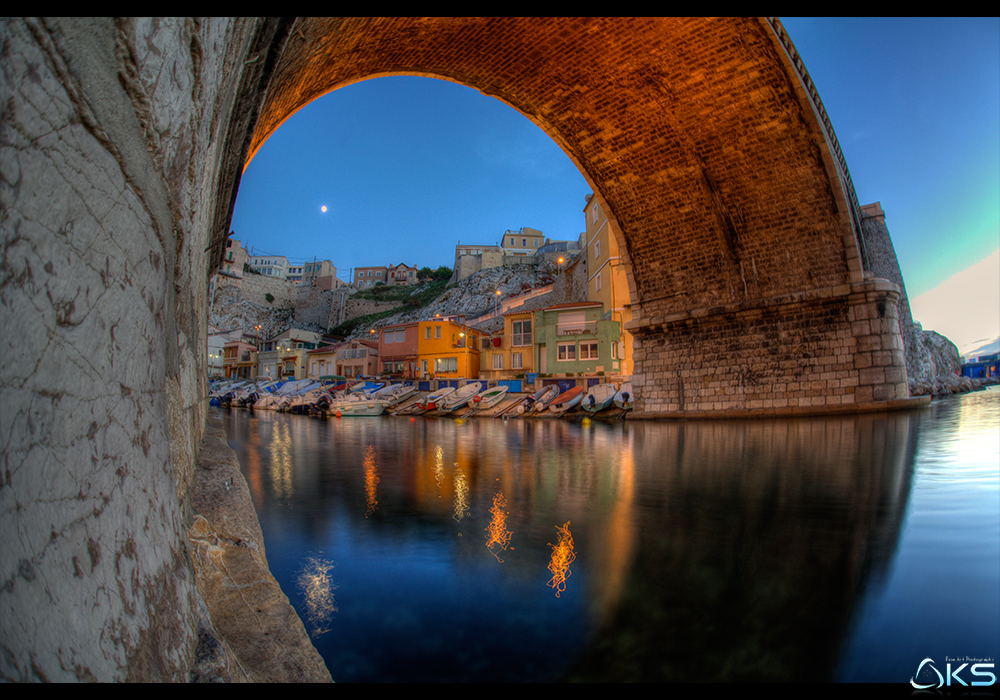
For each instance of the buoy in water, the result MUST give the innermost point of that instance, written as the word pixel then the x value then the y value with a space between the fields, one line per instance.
pixel 586 421
pixel 413 420
pixel 338 413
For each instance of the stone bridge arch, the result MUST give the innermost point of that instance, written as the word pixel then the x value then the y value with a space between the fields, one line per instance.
pixel 707 145
pixel 122 141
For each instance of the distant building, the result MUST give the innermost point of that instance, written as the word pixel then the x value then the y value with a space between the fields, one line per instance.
pixel 284 355
pixel 270 265
pixel 524 241
pixel 398 349
pixel 607 281
pixel 447 350
pixel 233 259
pixel 982 367
pixel 574 338
pixel 386 274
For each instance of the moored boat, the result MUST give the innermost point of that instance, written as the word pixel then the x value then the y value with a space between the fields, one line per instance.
pixel 598 397
pixel 431 401
pixel 539 400
pixel 490 397
pixel 625 397
pixel 566 400
pixel 394 393
pixel 461 397
pixel 364 407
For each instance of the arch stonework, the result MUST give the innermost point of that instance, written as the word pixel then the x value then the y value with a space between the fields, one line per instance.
pixel 708 148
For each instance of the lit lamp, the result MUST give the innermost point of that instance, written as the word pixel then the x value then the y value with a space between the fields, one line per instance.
pixel 462 335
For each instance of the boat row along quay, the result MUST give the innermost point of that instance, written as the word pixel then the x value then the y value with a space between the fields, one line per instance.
pixel 340 397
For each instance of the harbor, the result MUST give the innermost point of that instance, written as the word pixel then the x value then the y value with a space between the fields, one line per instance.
pixel 428 548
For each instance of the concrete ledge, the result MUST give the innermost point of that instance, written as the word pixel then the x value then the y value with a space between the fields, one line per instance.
pixel 255 634
pixel 785 412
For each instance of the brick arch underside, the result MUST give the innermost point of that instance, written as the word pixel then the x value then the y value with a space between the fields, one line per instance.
pixel 688 130
pixel 744 274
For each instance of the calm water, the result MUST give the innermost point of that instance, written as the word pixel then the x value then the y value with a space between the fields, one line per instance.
pixel 845 549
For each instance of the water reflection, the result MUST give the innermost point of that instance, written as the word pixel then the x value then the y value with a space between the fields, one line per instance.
pixel 562 556
pixel 497 532
pixel 371 480
pixel 725 551
pixel 317 589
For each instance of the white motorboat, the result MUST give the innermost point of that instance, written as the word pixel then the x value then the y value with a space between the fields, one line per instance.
pixel 363 407
pixel 460 397
pixel 490 397
pixel 394 393
pixel 431 401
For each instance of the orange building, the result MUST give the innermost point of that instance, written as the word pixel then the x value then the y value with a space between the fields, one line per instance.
pixel 447 350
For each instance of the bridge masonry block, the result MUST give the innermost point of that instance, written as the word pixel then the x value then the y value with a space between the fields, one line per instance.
pixel 828 350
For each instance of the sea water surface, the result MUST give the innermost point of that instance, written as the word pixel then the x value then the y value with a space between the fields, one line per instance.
pixel 847 548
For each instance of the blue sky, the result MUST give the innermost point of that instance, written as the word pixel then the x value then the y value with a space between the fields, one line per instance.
pixel 409 166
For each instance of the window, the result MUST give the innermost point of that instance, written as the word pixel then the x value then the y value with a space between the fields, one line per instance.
pixel 427 332
pixel 566 352
pixel 446 364
pixel 571 322
pixel 593 213
pixel 597 249
pixel 437 332
pixel 517 360
pixel 524 243
pixel 498 361
pixel 521 333
pixel 588 351
pixel 597 282
pixel 486 344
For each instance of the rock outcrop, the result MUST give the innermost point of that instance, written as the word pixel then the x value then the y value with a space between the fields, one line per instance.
pixel 934 366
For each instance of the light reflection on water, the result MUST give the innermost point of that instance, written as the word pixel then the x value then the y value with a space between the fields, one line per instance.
pixel 810 549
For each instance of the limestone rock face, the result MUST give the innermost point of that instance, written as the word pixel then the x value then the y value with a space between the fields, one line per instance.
pixel 254 627
pixel 934 365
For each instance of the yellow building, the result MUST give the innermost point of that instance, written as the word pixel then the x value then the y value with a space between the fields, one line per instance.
pixel 607 281
pixel 511 354
pixel 447 350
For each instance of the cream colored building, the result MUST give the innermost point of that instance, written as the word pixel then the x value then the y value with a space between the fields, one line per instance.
pixel 524 241
pixel 607 281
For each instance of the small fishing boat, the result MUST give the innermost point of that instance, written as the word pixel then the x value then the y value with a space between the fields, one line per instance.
pixel 566 400
pixel 625 397
pixel 365 407
pixel 598 397
pixel 490 397
pixel 460 397
pixel 394 393
pixel 432 400
pixel 539 400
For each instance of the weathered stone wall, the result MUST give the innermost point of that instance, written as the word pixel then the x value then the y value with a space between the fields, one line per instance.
pixel 835 349
pixel 111 137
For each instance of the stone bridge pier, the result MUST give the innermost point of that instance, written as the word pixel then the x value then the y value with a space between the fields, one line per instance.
pixel 122 142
